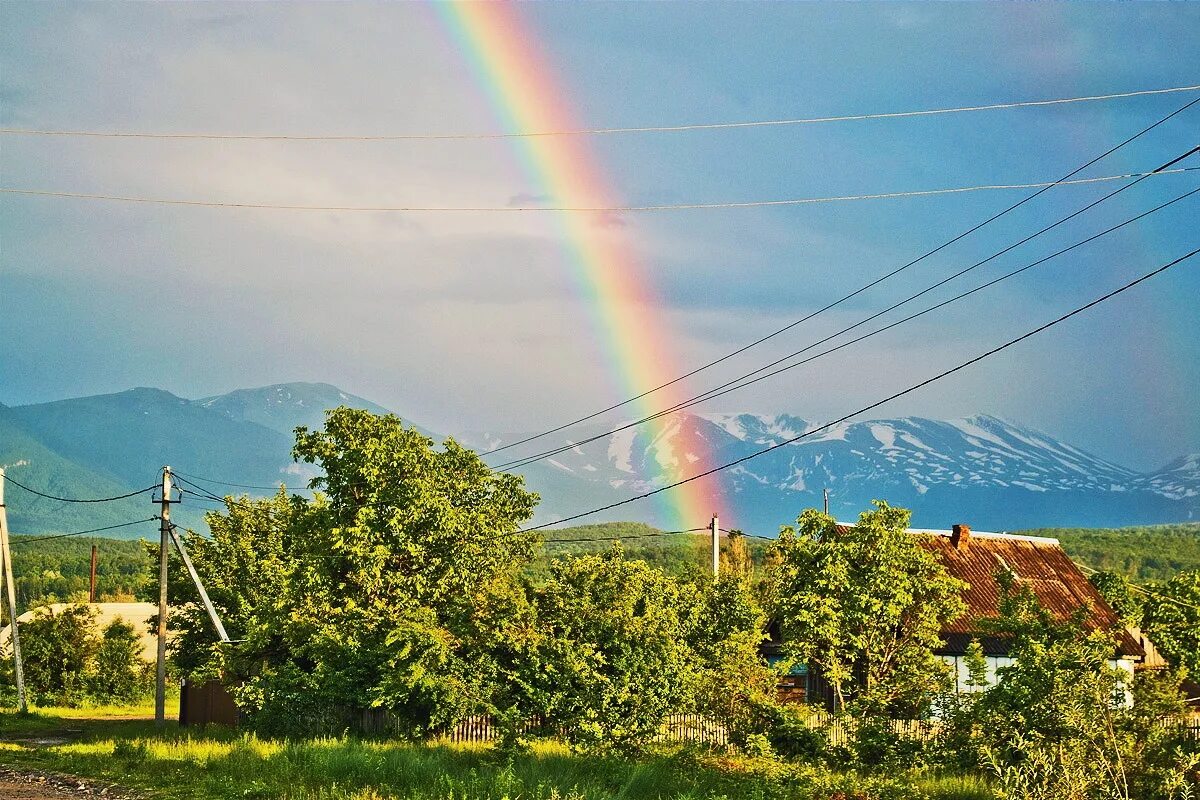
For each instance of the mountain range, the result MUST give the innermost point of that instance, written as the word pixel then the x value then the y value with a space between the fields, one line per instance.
pixel 985 471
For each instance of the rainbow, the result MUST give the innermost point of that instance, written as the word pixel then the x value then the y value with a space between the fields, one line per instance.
pixel 519 81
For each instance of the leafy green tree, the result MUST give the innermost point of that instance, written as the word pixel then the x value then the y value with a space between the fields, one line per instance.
pixel 610 654
pixel 118 672
pixel 1171 618
pixel 362 596
pixel 56 651
pixel 246 566
pixel 1057 725
pixel 864 607
pixel 733 683
pixel 1120 596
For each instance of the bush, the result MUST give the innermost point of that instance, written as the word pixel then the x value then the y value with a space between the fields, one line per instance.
pixel 67 664
pixel 790 733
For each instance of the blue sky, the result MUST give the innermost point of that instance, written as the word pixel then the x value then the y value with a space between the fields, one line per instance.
pixel 470 322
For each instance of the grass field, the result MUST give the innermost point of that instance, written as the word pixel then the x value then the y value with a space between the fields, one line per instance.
pixel 106 745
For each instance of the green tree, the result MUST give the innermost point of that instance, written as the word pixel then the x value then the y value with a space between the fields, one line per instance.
pixel 611 657
pixel 864 607
pixel 1171 618
pixel 56 651
pixel 118 672
pixel 1057 723
pixel 1120 595
pixel 362 596
pixel 733 683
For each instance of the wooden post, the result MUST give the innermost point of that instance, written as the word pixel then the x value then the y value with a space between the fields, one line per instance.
pixel 10 590
pixel 92 580
pixel 716 546
pixel 164 543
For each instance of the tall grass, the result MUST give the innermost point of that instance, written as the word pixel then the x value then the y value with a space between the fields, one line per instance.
pixel 216 764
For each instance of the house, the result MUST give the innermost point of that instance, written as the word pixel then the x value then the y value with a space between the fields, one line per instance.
pixel 977 558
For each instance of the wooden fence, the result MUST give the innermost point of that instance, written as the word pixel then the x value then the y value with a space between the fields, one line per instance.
pixel 685 728
pixel 698 729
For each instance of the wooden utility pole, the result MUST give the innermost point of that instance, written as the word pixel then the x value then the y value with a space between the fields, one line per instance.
pixel 825 492
pixel 716 546
pixel 164 543
pixel 11 592
pixel 92 580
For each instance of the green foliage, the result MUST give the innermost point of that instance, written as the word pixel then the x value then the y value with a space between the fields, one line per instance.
pixel 1120 595
pixel 56 570
pixel 864 607
pixel 118 673
pixel 56 650
pixel 220 765
pixel 732 681
pixel 362 596
pixel 1171 618
pixel 1056 723
pixel 612 650
pixel 1143 553
pixel 66 663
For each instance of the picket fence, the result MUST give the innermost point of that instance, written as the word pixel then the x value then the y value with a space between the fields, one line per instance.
pixel 698 729
pixel 693 728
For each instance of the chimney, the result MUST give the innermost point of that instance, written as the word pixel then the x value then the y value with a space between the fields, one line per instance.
pixel 960 537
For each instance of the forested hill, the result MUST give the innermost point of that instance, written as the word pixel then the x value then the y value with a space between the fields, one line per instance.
pixel 57 570
pixel 1146 552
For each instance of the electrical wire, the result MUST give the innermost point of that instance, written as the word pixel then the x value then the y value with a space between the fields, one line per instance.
pixel 855 293
pixel 748 379
pixel 567 209
pixel 1139 588
pixel 78 499
pixel 276 487
pixel 621 537
pixel 876 404
pixel 748 535
pixel 597 131
pixel 16 542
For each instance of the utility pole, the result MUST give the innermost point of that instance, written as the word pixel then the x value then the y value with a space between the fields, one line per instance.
pixel 716 546
pixel 164 543
pixel 825 492
pixel 92 581
pixel 11 591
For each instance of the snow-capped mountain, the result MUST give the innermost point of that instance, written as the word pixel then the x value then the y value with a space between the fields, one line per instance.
pixel 1179 480
pixel 992 474
pixel 982 470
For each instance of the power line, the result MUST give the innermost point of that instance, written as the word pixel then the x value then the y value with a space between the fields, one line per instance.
pixel 748 379
pixel 855 293
pixel 748 535
pixel 78 499
pixel 571 209
pixel 595 131
pixel 82 533
pixel 622 537
pixel 1139 588
pixel 874 405
pixel 235 485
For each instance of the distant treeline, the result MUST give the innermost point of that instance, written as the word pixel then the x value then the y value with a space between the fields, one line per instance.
pixel 56 570
pixel 680 555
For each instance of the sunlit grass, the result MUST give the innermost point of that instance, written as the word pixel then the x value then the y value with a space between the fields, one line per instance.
pixel 189 764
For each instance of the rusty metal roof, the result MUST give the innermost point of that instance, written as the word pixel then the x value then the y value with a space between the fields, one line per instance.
pixel 1040 564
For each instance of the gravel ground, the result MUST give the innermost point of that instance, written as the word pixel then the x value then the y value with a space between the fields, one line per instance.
pixel 26 784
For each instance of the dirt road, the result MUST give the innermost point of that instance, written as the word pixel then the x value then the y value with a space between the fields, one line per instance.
pixel 34 785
